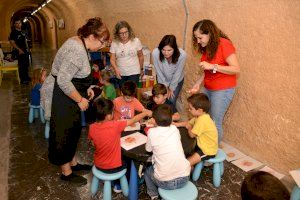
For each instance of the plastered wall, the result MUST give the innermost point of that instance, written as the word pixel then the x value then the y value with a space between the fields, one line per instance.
pixel 263 119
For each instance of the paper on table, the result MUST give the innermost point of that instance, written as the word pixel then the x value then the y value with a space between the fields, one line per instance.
pixel 135 127
pixel 272 171
pixel 296 176
pixel 247 163
pixel 133 140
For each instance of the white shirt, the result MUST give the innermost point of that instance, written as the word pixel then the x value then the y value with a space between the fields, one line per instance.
pixel 126 56
pixel 168 157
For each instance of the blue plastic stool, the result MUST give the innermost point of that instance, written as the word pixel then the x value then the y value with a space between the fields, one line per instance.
pixel 188 192
pixel 107 178
pixel 34 112
pixel 47 129
pixel 218 169
pixel 83 123
pixel 295 195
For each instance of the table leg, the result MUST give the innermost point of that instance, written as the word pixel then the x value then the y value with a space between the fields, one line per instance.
pixel 133 183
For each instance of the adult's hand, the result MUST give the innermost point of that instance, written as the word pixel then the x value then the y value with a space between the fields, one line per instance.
pixel 90 93
pixel 118 73
pixel 83 104
pixel 170 93
pixel 206 66
pixel 195 89
pixel 20 51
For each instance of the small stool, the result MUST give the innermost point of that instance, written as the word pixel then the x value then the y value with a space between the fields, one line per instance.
pixel 218 169
pixel 47 129
pixel 34 112
pixel 188 192
pixel 295 195
pixel 83 123
pixel 107 178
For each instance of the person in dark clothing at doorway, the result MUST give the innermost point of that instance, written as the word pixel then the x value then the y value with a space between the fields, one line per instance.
pixel 18 40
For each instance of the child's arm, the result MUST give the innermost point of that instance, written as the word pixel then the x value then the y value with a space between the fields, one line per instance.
pixel 139 117
pixel 189 128
pixel 180 124
pixel 176 116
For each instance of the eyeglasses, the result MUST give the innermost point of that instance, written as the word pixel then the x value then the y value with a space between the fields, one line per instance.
pixel 123 33
pixel 104 42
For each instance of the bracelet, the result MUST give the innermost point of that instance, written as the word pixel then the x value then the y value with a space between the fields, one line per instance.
pixel 80 100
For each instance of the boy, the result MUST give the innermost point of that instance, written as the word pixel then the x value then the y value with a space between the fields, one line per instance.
pixel 108 90
pixel 201 127
pixel 160 96
pixel 261 185
pixel 170 168
pixel 105 134
pixel 127 104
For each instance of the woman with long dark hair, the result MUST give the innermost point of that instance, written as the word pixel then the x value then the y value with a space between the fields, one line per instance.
pixel 169 61
pixel 220 66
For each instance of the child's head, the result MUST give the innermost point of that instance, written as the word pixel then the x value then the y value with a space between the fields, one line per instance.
pixel 162 114
pixel 260 185
pixel 105 77
pixel 198 103
pixel 128 90
pixel 38 76
pixel 159 93
pixel 104 108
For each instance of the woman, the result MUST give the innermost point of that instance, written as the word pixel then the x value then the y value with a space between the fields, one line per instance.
pixel 220 66
pixel 127 57
pixel 69 80
pixel 169 61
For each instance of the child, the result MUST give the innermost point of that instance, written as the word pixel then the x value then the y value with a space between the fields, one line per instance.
pixel 170 168
pixel 201 127
pixel 160 96
pixel 127 104
pixel 108 90
pixel 38 78
pixel 260 185
pixel 105 134
pixel 96 74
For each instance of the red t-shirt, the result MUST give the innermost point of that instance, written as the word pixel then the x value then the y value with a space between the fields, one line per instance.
pixel 106 139
pixel 125 110
pixel 219 81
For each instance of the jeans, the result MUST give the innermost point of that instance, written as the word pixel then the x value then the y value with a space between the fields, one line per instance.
pixel 220 101
pixel 176 92
pixel 152 183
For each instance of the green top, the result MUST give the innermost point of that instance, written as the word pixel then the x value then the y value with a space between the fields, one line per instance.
pixel 109 92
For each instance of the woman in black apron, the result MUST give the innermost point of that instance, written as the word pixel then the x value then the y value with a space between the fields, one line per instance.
pixel 72 97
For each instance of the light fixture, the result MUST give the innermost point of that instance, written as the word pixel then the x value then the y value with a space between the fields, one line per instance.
pixel 41 6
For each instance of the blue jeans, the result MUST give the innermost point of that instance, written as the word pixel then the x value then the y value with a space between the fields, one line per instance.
pixel 176 92
pixel 220 101
pixel 152 183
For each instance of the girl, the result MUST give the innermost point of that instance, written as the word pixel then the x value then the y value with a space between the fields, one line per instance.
pixel 39 76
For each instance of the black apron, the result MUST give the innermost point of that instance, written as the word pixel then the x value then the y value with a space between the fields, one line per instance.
pixel 65 122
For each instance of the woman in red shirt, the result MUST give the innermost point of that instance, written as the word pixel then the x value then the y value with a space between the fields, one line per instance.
pixel 220 66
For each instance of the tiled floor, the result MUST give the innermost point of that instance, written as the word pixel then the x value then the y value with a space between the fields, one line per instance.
pixel 32 177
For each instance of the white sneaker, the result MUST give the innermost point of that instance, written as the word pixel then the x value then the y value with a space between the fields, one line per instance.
pixel 117 189
pixel 154 197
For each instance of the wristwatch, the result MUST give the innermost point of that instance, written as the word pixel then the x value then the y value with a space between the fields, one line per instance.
pixel 215 68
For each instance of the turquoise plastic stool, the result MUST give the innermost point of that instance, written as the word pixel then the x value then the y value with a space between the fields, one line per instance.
pixel 218 168
pixel 107 178
pixel 34 112
pixel 47 129
pixel 188 192
pixel 295 195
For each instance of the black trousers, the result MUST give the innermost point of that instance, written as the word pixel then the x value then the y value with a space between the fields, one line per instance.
pixel 23 63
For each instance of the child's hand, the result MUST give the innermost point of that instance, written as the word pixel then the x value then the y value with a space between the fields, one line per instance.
pixel 148 112
pixel 188 126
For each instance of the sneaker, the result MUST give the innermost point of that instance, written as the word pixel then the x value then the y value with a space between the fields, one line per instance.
pixel 74 179
pixel 81 167
pixel 154 198
pixel 117 188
